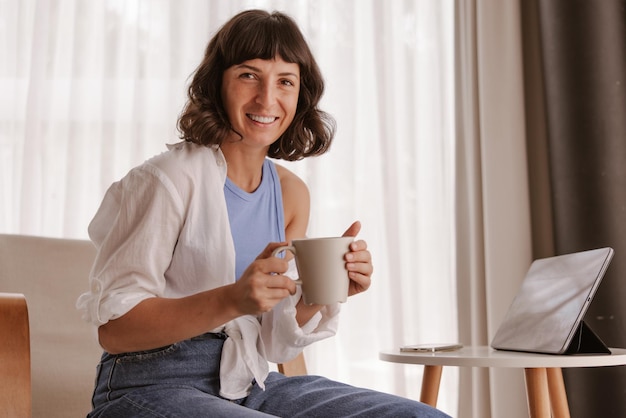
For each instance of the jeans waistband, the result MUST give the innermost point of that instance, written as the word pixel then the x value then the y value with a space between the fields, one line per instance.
pixel 216 335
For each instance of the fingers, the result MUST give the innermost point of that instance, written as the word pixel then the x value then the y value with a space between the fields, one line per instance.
pixel 261 293
pixel 267 273
pixel 262 284
pixel 358 283
pixel 359 246
pixel 277 281
pixel 359 266
pixel 353 230
pixel 269 290
pixel 269 249
pixel 360 274
pixel 359 259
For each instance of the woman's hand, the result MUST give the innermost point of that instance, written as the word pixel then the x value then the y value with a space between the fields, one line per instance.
pixel 358 262
pixel 262 285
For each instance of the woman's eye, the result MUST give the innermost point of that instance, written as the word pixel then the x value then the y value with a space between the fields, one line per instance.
pixel 287 83
pixel 247 76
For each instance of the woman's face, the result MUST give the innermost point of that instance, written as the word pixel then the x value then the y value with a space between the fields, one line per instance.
pixel 260 98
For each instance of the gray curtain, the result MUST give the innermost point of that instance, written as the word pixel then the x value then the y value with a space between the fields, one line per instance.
pixel 575 70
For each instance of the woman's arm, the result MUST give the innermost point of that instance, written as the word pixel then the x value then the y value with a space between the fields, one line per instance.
pixel 157 321
pixel 296 204
pixel 128 278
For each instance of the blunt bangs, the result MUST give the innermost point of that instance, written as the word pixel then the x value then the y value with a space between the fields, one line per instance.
pixel 264 37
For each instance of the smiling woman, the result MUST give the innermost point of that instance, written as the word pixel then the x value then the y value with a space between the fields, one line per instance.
pixel 91 89
pixel 260 98
pixel 282 70
pixel 190 319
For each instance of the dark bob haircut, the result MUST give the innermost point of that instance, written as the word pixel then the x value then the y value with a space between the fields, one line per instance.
pixel 250 35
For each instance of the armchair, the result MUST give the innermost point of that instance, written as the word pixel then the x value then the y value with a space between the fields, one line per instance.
pixel 48 354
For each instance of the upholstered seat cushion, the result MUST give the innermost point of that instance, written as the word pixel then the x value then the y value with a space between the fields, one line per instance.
pixel 51 273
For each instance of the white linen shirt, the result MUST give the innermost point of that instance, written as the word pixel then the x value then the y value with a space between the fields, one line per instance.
pixel 163 231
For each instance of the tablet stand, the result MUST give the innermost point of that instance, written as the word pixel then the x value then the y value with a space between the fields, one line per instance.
pixel 585 341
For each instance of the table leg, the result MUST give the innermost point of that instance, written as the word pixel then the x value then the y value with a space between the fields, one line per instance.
pixel 537 392
pixel 430 385
pixel 558 396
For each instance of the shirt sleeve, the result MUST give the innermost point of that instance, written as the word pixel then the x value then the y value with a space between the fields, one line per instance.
pixel 135 231
pixel 283 338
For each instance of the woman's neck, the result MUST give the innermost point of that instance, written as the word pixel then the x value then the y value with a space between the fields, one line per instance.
pixel 245 167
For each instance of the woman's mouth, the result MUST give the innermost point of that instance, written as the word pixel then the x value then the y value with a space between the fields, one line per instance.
pixel 262 119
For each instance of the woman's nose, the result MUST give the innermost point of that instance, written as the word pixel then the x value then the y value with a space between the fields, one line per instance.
pixel 266 94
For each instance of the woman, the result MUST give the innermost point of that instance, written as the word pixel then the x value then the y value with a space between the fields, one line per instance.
pixel 189 303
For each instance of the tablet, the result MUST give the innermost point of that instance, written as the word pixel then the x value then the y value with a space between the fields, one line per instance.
pixel 546 315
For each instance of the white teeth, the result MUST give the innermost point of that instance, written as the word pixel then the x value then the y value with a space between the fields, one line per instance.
pixel 262 119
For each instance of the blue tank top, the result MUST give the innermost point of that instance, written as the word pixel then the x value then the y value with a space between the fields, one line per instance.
pixel 256 218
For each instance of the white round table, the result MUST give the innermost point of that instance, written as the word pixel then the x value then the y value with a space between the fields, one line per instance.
pixel 544 380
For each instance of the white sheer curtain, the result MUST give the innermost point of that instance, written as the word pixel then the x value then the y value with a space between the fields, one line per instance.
pixel 493 212
pixel 89 89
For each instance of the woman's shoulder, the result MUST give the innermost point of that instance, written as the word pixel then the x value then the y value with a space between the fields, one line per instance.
pixel 182 167
pixel 186 153
pixel 186 159
pixel 296 202
pixel 290 181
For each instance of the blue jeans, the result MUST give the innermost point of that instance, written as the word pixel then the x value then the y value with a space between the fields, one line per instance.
pixel 182 380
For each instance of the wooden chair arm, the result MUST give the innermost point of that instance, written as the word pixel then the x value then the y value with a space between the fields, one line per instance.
pixel 295 367
pixel 15 383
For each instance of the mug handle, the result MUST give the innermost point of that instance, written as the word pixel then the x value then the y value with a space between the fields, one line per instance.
pixel 286 248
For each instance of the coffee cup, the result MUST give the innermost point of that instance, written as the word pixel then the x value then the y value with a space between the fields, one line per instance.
pixel 321 268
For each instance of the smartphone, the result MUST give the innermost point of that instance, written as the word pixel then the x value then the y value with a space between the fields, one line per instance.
pixel 430 348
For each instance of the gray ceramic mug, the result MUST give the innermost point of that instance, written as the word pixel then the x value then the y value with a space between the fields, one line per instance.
pixel 322 268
